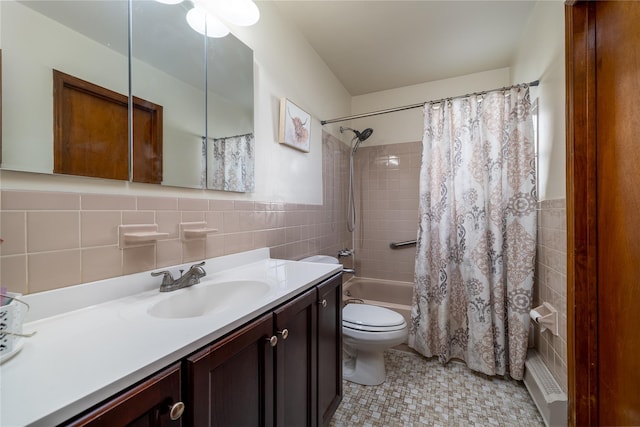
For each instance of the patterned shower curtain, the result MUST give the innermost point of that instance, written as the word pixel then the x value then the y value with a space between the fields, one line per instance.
pixel 477 234
pixel 230 163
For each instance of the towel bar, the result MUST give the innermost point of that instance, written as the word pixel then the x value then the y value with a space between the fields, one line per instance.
pixel 397 245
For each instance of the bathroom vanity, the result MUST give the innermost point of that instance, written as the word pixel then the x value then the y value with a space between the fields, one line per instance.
pixel 267 353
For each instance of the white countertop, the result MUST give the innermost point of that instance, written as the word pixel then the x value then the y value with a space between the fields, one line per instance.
pixel 95 339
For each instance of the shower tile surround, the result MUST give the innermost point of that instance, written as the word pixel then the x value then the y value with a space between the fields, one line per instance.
pixel 387 195
pixel 551 285
pixel 58 239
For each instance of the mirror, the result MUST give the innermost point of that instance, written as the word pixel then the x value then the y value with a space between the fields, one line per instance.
pixel 230 144
pixel 201 86
pixel 35 42
pixel 168 69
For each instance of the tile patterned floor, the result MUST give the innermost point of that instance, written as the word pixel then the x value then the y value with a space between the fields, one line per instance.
pixel 422 392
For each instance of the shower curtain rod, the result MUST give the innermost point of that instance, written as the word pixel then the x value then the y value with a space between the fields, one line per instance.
pixel 409 107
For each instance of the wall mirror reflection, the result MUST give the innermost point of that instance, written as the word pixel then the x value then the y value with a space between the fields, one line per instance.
pixel 230 143
pixel 39 37
pixel 185 87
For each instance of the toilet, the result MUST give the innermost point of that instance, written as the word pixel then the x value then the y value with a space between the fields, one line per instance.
pixel 367 331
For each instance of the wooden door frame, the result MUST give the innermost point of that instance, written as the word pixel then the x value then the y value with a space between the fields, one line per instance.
pixel 582 267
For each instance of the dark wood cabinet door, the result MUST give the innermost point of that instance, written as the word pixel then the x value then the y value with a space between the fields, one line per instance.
pixel 296 362
pixel 145 405
pixel 231 382
pixel 329 349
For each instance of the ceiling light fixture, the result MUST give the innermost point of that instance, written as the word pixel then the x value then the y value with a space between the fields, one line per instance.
pixel 206 24
pixel 207 16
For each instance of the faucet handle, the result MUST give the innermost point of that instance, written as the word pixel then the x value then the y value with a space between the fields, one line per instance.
pixel 197 269
pixel 167 278
pixel 200 264
pixel 345 253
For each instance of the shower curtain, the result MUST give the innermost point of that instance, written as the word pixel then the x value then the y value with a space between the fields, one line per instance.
pixel 230 163
pixel 477 232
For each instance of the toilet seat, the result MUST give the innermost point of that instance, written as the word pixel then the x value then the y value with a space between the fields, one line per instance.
pixel 371 318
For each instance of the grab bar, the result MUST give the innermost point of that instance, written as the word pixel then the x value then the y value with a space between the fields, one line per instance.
pixel 397 245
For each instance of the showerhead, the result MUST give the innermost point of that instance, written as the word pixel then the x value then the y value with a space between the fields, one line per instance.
pixel 361 136
pixel 364 134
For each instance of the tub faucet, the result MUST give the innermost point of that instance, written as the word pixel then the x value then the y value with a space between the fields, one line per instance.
pixel 190 278
pixel 345 253
pixel 349 270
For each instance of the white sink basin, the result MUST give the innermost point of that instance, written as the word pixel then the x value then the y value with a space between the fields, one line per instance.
pixel 202 299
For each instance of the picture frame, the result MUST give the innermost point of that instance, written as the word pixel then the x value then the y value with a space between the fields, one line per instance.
pixel 295 126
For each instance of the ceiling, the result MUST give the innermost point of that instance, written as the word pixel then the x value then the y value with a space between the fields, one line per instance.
pixel 385 44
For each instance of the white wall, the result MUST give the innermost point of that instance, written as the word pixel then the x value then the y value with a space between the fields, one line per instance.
pixel 289 67
pixel 541 55
pixel 285 65
pixel 408 125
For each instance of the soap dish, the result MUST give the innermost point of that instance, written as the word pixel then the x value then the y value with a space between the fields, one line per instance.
pixel 195 230
pixel 139 234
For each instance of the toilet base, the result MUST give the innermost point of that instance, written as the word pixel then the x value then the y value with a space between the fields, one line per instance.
pixel 363 367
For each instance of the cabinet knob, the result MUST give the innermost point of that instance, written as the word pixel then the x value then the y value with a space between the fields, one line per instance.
pixel 284 333
pixel 176 410
pixel 323 303
pixel 272 341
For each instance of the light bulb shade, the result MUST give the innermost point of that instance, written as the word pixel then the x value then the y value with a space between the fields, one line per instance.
pixel 237 12
pixel 206 24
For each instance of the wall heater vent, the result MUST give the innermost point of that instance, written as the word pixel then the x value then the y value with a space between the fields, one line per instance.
pixel 545 391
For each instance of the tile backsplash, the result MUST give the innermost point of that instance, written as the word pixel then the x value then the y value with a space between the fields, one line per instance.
pixel 58 239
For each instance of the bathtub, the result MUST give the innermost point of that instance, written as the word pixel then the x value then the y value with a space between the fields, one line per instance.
pixel 385 293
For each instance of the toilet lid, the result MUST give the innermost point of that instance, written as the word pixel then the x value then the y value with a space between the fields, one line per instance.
pixel 371 317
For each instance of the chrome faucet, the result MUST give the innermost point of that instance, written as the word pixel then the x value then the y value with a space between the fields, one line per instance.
pixel 190 278
pixel 345 253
